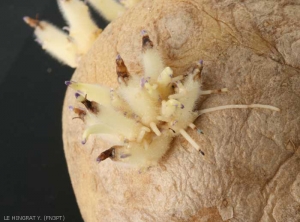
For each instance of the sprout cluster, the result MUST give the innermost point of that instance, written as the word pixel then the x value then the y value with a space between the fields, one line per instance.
pixel 141 117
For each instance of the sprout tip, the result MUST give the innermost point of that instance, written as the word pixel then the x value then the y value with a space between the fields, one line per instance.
pixel 143 32
pixel 33 23
pixel 68 83
pixel 77 95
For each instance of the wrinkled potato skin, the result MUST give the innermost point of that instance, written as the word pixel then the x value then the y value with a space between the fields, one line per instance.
pixel 251 168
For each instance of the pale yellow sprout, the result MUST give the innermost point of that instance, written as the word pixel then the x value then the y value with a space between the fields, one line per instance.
pixel 103 119
pixel 97 129
pixel 152 61
pixel 81 27
pixel 140 101
pixel 146 112
pixel 82 30
pixel 180 91
pixel 200 112
pixel 164 80
pixel 154 128
pixel 109 9
pixel 142 134
pixel 165 77
pixel 189 139
pixel 82 33
pixel 169 107
pixel 207 92
pixel 54 41
pixel 138 155
pixel 94 92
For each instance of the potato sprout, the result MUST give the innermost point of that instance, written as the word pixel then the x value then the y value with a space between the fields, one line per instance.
pixel 69 48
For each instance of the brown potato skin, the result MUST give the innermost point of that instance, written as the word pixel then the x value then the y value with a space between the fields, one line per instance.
pixel 251 168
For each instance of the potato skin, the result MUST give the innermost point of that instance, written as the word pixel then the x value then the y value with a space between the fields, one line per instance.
pixel 252 163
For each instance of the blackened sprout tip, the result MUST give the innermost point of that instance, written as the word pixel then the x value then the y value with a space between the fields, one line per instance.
pixel 110 153
pixel 83 142
pixel 182 106
pixel 201 62
pixel 146 42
